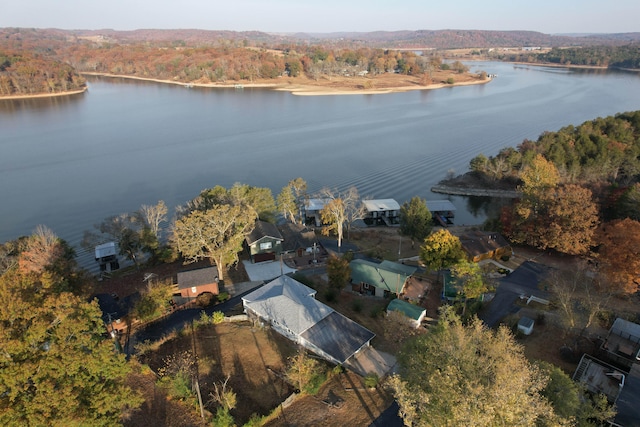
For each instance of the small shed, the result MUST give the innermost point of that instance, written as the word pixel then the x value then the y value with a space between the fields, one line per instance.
pixel 525 325
pixel 192 283
pixel 414 313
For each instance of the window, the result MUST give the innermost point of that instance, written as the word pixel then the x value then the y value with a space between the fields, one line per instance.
pixel 194 289
pixel 265 246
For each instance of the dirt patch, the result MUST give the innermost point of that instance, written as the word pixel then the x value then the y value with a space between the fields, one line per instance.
pixel 157 409
pixel 249 356
pixel 254 360
pixel 359 405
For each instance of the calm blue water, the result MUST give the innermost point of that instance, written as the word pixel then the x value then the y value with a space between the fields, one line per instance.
pixel 70 162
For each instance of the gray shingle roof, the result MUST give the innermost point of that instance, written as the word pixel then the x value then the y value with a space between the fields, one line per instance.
pixel 287 302
pixel 197 277
pixel 261 230
pixel 297 236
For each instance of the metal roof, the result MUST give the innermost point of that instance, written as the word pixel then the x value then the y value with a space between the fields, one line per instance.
pixel 377 275
pixel 338 336
pixel 105 250
pixel 412 311
pixel 315 204
pixel 440 206
pixel 381 205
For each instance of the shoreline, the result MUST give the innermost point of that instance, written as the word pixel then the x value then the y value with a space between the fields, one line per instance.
pixel 480 192
pixel 44 95
pixel 299 89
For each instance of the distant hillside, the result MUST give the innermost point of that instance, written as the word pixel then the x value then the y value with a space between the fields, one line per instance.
pixel 438 39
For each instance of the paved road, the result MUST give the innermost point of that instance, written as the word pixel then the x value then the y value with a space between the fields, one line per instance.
pixel 523 281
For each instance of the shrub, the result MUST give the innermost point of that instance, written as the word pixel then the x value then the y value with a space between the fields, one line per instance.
pixel 376 311
pixel 316 381
pixel 217 317
pixel 205 299
pixel 203 320
pixel 371 380
pixel 450 81
pixel 357 306
pixel 223 296
pixel 223 418
pixel 256 420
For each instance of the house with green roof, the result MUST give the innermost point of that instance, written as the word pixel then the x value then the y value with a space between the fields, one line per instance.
pixel 379 279
pixel 414 313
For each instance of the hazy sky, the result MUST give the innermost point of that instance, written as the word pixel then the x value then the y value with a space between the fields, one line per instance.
pixel 546 16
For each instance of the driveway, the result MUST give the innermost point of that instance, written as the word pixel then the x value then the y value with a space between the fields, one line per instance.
pixel 523 281
pixel 181 319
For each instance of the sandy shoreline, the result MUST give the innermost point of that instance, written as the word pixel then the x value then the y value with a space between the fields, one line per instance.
pixel 43 95
pixel 298 89
pixel 294 88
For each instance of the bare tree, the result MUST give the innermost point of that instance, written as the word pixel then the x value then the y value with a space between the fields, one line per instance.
pixel 154 215
pixel 579 297
pixel 342 209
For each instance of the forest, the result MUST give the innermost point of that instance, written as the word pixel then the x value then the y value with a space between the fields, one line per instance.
pixel 626 56
pixel 26 73
pixel 580 188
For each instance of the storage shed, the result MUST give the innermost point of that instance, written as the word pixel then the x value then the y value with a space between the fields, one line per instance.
pixel 525 325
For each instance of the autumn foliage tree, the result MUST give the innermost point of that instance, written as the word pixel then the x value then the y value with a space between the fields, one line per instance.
pixel 441 249
pixel 619 254
pixel 549 215
pixel 56 367
pixel 469 375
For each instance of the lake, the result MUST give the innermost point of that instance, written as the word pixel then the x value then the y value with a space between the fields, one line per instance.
pixel 70 162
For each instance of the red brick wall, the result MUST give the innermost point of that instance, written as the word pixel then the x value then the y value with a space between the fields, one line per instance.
pixel 188 292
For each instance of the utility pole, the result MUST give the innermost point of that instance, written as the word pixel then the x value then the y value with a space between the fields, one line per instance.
pixel 197 373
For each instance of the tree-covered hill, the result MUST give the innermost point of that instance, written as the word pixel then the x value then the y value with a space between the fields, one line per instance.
pixel 25 73
pixel 626 56
pixel 600 150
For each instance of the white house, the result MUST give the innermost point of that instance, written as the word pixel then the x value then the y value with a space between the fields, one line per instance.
pixel 292 310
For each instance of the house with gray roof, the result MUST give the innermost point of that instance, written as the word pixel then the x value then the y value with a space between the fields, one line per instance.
pixel 291 309
pixel 379 279
pixel 264 242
